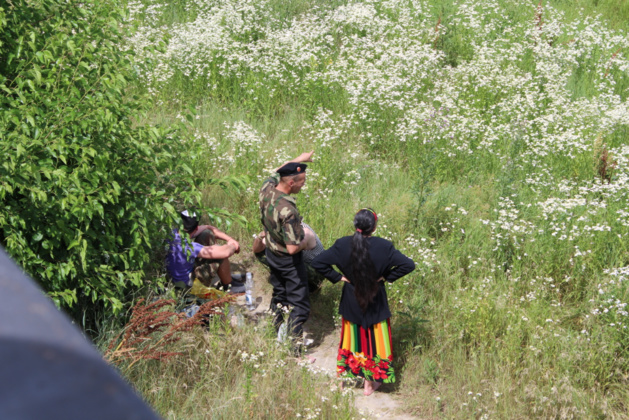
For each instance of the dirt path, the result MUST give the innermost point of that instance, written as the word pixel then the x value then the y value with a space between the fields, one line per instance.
pixel 380 404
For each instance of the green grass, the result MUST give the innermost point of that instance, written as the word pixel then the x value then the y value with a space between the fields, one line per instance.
pixel 228 372
pixel 508 284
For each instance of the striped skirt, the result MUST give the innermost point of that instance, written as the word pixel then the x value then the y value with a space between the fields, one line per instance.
pixel 366 352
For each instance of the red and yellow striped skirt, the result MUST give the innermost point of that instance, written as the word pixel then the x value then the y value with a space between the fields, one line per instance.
pixel 366 352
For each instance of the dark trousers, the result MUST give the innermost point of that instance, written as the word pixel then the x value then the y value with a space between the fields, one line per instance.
pixel 290 288
pixel 315 280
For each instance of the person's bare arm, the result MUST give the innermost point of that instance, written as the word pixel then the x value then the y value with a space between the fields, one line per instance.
pixel 293 249
pixel 304 157
pixel 258 243
pixel 309 238
pixel 219 234
pixel 219 252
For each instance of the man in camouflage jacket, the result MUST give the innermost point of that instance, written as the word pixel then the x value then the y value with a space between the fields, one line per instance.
pixel 284 240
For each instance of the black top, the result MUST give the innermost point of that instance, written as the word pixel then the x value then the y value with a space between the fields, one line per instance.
pixel 388 262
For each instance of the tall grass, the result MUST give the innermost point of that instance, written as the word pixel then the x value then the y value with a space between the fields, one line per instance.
pixel 475 129
pixel 225 371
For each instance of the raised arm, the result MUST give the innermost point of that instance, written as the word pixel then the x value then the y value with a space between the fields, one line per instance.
pixel 304 157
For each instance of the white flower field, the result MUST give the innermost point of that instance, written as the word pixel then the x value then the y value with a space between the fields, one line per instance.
pixel 491 137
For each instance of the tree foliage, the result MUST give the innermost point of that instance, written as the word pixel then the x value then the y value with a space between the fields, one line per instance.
pixel 86 189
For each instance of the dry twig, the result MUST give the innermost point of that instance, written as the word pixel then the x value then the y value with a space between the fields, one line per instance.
pixel 152 330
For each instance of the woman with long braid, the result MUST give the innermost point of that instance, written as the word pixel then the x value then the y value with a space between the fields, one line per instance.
pixel 365 262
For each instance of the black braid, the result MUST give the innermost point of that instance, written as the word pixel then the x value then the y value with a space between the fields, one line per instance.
pixel 365 281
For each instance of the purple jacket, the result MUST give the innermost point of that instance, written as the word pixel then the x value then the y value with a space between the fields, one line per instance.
pixel 180 262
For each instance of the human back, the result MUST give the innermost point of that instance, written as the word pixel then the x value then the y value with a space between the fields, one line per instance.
pixel 365 262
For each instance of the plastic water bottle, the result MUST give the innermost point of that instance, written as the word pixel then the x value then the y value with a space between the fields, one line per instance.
pixel 249 292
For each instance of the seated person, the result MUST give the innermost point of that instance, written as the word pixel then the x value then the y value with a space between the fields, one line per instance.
pixel 203 258
pixel 313 248
pixel 203 234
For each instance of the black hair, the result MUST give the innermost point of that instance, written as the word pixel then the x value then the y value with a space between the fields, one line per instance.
pixel 365 281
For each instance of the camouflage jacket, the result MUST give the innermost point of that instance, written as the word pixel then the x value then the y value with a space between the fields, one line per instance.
pixel 280 217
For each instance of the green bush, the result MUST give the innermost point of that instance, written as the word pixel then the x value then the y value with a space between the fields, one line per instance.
pixel 87 190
